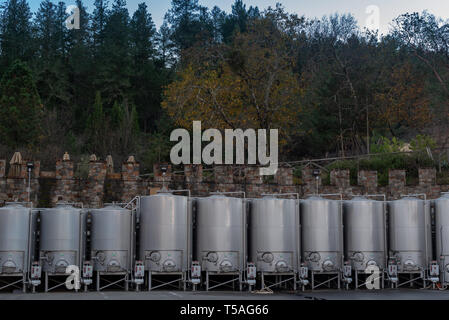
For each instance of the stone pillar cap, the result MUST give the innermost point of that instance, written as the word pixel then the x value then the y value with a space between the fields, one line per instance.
pixel 16 158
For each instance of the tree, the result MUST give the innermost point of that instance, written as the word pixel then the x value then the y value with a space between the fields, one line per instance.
pixel 20 108
pixel 99 20
pixel 248 84
pixel 96 127
pixel 115 68
pixel 15 28
pixel 142 35
pixel 46 26
pixel 187 21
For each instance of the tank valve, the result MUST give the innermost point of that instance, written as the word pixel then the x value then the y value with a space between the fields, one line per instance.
pixel 36 272
pixel 87 274
pixel 303 275
pixel 139 274
pixel 393 272
pixel 347 274
pixel 434 273
pixel 195 274
pixel 251 274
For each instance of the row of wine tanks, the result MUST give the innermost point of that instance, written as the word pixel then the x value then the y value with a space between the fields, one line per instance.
pixel 282 233
pixel 63 238
pixel 57 238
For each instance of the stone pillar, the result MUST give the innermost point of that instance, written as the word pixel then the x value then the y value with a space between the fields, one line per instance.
pixel 64 185
pixel 368 181
pixel 310 182
pixel 396 183
pixel 340 178
pixel 93 194
pixel 17 182
pixel 130 179
pixel 427 177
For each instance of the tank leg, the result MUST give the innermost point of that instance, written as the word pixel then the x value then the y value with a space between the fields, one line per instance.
pixel 313 280
pixel 356 276
pixel 263 280
pixel 294 283
pixel 184 281
pixel 149 280
pixel 24 288
pixel 383 280
pixel 46 282
pixel 126 283
pixel 338 279
pixel 207 280
pixel 240 282
pixel 98 281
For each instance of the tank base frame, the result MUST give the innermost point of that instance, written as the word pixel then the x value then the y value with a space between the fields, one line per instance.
pixel 52 277
pixel 279 282
pixel 334 275
pixel 15 283
pixel 413 278
pixel 156 277
pixel 121 277
pixel 237 276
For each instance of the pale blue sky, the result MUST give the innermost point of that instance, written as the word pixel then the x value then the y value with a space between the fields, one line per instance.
pixel 389 9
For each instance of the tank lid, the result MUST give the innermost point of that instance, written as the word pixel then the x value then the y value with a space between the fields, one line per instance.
pixel 410 198
pixel 315 198
pixel 111 206
pixel 63 204
pixel 361 198
pixel 444 196
pixel 13 205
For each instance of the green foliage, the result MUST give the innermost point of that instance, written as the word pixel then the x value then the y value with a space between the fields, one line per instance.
pixel 96 125
pixel 422 142
pixel 20 108
pixel 157 150
pixel 385 145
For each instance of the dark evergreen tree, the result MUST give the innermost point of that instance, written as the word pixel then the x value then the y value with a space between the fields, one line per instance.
pixel 20 108
pixel 16 32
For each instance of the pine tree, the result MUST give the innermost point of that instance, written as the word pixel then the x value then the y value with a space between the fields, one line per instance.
pixel 183 17
pixel 20 108
pixel 46 28
pixel 99 20
pixel 15 29
pixel 142 35
pixel 115 69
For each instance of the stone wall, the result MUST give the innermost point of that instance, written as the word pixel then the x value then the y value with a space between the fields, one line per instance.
pixel 103 185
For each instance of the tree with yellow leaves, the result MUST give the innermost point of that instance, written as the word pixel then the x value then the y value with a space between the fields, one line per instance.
pixel 249 83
